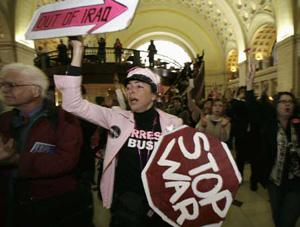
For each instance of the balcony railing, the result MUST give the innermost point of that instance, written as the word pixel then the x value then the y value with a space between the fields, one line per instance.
pixel 135 57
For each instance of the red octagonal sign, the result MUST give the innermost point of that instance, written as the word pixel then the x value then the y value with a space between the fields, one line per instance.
pixel 191 179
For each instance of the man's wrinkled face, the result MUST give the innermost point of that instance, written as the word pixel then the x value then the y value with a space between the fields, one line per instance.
pixel 140 96
pixel 16 90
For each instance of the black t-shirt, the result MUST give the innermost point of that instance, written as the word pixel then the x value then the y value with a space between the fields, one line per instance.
pixel 136 151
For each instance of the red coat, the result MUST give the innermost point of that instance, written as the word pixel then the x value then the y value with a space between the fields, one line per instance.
pixel 43 174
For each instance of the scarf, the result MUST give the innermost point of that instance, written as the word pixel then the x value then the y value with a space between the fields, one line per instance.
pixel 288 156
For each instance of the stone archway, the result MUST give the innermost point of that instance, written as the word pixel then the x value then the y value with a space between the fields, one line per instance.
pixel 262 43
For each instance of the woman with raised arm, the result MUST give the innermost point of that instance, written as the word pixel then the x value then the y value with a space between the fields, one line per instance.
pixel 132 137
pixel 279 154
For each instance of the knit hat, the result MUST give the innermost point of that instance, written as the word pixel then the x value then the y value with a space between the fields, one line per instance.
pixel 145 75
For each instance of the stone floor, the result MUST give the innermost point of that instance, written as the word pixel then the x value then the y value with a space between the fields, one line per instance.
pixel 253 212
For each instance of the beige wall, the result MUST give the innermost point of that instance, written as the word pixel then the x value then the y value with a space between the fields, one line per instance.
pixel 160 19
pixel 24 54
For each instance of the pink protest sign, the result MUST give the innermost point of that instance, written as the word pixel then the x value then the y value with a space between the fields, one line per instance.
pixel 191 179
pixel 78 17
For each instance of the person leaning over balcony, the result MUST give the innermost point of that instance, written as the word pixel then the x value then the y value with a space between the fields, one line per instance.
pixel 121 185
pixel 38 154
pixel 279 155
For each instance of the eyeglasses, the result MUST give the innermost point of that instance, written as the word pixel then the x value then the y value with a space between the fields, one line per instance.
pixel 12 85
pixel 286 101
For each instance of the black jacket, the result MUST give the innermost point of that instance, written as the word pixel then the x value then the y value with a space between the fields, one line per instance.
pixel 263 116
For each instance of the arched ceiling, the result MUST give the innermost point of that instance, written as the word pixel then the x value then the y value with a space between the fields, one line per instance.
pixel 263 41
pixel 187 32
pixel 217 26
pixel 229 19
pixel 246 10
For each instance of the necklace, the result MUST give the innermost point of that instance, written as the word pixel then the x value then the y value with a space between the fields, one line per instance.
pixel 143 158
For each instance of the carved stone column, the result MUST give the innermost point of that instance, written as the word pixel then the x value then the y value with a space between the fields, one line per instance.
pixel 15 52
pixel 7 52
pixel 24 54
pixel 243 69
pixel 296 87
pixel 286 64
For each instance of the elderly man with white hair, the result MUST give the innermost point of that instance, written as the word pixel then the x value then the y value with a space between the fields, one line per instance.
pixel 133 135
pixel 39 150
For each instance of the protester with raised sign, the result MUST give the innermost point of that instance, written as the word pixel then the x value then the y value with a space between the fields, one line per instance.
pixel 37 163
pixel 279 156
pixel 132 137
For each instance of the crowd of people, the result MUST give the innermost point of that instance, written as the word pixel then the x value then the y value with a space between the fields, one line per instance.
pixel 42 145
pixel 43 59
pixel 262 131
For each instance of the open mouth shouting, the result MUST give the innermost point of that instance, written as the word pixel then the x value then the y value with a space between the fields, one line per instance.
pixel 133 100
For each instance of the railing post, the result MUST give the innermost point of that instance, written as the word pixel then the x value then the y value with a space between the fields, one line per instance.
pixel 136 57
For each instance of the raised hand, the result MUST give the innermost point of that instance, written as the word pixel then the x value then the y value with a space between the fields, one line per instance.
pixel 189 89
pixel 77 45
pixel 203 120
pixel 75 42
pixel 225 121
pixel 250 76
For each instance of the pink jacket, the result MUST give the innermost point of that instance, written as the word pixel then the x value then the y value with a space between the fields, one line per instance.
pixel 105 117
